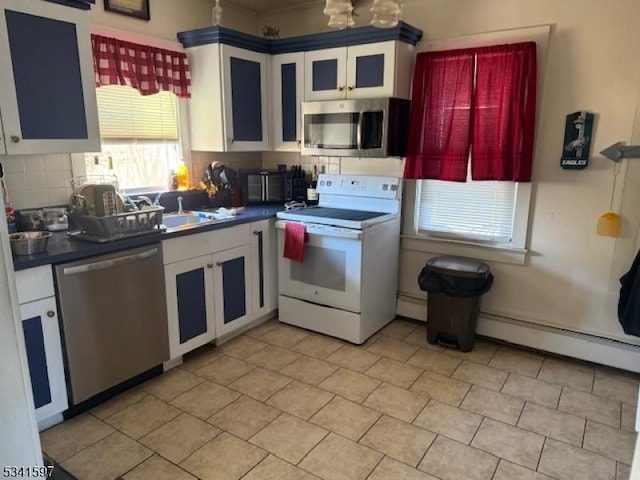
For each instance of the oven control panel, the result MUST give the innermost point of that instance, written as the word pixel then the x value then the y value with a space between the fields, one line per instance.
pixel 359 185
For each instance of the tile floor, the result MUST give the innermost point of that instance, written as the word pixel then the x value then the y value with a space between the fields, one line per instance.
pixel 283 403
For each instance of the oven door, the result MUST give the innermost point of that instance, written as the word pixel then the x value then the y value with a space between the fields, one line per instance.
pixel 331 272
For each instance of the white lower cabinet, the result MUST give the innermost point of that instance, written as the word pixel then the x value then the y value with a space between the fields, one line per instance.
pixel 232 287
pixel 190 304
pixel 39 318
pixel 210 281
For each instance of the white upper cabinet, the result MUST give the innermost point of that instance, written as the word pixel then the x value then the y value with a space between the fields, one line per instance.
pixel 228 99
pixel 47 99
pixel 287 92
pixel 360 71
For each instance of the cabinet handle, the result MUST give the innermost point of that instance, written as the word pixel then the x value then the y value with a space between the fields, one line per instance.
pixel 341 89
pixel 209 265
pixel 350 88
pixel 219 264
pixel 299 142
pixel 15 139
pixel 51 314
pixel 257 232
pixel 230 140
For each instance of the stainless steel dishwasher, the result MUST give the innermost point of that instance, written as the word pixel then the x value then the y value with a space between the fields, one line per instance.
pixel 114 318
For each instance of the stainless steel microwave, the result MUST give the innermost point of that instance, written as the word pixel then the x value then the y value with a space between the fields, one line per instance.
pixel 375 127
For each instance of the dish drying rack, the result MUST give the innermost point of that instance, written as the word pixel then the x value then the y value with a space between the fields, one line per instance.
pixel 115 224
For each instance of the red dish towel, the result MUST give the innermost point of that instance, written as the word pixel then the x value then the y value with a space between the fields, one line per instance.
pixel 295 236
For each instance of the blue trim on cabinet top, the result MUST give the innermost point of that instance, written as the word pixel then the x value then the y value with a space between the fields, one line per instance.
pixel 81 4
pixel 37 360
pixel 403 32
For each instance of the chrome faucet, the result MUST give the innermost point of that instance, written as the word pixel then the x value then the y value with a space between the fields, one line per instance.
pixel 156 201
pixel 180 205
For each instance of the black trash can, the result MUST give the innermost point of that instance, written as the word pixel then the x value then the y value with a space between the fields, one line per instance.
pixel 455 286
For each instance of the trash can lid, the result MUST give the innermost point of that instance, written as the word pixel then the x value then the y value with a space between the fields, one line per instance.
pixel 451 265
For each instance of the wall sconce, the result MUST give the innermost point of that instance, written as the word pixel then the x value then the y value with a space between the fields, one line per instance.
pixel 386 13
pixel 340 13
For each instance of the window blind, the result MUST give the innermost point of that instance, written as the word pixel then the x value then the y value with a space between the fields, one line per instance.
pixel 125 114
pixel 482 210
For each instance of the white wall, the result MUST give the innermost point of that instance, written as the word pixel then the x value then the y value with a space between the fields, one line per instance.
pixel 571 277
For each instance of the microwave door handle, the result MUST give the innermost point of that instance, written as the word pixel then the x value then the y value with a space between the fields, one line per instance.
pixel 359 130
pixel 263 181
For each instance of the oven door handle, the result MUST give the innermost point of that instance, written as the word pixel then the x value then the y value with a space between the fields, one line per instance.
pixel 325 230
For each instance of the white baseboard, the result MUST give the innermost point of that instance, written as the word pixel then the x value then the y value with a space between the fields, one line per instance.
pixel 549 339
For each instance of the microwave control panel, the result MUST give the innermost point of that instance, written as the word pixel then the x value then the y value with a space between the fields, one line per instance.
pixel 359 185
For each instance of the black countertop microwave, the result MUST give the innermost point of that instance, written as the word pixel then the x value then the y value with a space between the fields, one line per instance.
pixel 376 127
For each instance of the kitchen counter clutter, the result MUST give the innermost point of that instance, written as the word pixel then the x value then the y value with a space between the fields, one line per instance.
pixel 61 248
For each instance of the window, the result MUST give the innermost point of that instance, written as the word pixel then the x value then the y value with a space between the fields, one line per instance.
pixel 472 119
pixel 479 211
pixel 140 138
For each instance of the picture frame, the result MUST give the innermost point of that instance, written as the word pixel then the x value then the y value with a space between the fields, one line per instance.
pixel 133 8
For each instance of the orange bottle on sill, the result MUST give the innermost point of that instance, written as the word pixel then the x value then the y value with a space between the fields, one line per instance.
pixel 182 173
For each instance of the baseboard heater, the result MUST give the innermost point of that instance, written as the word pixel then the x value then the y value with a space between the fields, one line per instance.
pixel 592 348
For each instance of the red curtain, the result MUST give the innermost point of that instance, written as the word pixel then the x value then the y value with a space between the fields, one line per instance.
pixel 147 69
pixel 493 120
pixel 504 113
pixel 440 116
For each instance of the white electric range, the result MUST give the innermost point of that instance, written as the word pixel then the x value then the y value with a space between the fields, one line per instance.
pixel 346 286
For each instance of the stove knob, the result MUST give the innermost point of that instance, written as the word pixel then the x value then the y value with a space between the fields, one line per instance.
pixel 394 188
pixel 385 187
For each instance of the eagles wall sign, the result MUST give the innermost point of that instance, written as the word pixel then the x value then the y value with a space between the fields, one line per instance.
pixel 577 140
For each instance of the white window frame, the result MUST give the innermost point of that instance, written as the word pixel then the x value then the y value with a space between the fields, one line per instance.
pixel 516 251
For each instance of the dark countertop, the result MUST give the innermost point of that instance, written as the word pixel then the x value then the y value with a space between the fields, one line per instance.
pixel 61 248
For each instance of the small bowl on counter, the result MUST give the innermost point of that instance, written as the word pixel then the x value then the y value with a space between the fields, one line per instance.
pixel 29 243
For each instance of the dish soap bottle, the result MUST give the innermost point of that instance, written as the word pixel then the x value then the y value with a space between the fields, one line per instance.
pixel 182 173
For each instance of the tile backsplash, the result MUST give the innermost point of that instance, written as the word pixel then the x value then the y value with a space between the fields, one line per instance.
pixel 35 181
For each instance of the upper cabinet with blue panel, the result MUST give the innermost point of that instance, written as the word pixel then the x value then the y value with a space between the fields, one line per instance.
pixel 47 99
pixel 228 93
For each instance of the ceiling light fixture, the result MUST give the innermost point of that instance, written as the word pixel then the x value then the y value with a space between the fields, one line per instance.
pixel 386 13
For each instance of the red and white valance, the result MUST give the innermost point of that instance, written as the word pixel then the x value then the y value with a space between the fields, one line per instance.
pixel 145 68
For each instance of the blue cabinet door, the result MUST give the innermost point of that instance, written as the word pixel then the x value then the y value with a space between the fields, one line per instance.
pixel 47 100
pixel 192 308
pixel 246 100
pixel 232 284
pixel 287 93
pixel 190 311
pixel 37 360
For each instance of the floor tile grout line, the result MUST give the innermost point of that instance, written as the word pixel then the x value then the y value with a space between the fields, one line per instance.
pixel 544 443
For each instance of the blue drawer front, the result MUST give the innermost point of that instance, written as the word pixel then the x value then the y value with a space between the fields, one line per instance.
pixel 289 103
pixel 46 68
pixel 324 75
pixel 37 360
pixel 246 100
pixel 233 286
pixel 192 309
pixel 370 71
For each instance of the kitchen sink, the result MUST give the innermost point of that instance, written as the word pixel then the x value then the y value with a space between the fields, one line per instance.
pixel 187 219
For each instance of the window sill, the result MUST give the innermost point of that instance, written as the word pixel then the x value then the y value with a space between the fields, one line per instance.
pixel 490 253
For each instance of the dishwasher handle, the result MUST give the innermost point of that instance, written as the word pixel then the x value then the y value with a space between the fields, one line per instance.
pixel 114 262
